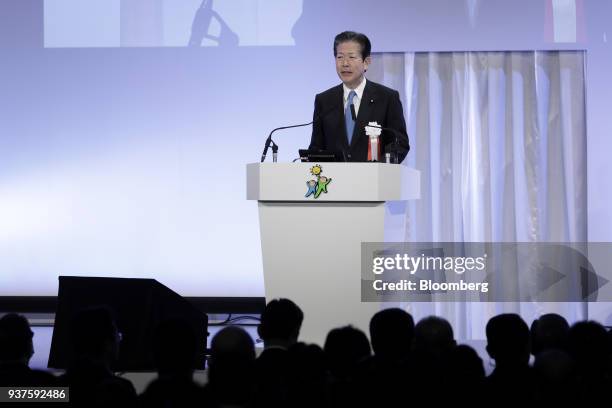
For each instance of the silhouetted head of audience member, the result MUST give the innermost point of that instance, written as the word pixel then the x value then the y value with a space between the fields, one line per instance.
pixel 549 332
pixel 175 351
pixel 391 333
pixel 15 340
pixel 344 348
pixel 462 377
pixel 231 366
pixel 307 361
pixel 232 343
pixel 588 344
pixel 231 349
pixel 508 341
pixel 465 365
pixel 280 323
pixel 434 335
pixel 16 350
pixel 95 337
pixel 307 376
pixel 175 348
pixel 554 370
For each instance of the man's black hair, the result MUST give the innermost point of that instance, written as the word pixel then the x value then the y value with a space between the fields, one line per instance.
pixel 391 333
pixel 92 329
pixel 15 337
pixel 361 39
pixel 281 319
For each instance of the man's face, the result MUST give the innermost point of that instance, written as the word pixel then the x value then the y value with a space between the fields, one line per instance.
pixel 350 66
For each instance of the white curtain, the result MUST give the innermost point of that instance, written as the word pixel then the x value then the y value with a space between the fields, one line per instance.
pixel 500 141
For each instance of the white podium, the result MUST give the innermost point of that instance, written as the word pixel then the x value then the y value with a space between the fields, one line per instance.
pixel 311 247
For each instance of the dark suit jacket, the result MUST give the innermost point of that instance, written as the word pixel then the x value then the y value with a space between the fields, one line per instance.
pixel 378 104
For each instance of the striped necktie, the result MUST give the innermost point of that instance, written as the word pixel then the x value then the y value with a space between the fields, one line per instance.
pixel 350 123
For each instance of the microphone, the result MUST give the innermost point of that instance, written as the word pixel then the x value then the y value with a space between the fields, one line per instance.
pixel 353 115
pixel 269 140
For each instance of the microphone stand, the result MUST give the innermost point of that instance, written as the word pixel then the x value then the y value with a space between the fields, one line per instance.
pixel 269 141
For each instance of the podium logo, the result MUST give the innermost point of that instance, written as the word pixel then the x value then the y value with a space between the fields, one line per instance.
pixel 318 185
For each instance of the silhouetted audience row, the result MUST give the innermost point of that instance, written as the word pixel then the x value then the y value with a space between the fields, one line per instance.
pixel 406 364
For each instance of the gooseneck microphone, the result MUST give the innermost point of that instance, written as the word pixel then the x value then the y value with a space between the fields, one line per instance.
pixel 353 115
pixel 270 142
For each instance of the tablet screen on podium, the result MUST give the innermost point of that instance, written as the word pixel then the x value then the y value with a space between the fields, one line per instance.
pixel 321 156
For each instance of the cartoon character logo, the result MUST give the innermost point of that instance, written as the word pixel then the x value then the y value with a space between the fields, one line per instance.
pixel 312 187
pixel 318 186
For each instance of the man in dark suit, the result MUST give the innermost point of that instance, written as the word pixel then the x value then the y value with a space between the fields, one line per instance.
pixel 334 128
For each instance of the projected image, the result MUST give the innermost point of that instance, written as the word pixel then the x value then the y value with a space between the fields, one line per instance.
pixel 565 21
pixel 168 23
pixel 394 26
